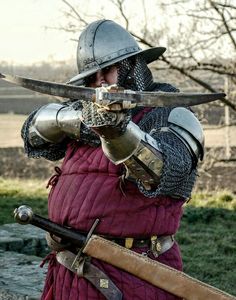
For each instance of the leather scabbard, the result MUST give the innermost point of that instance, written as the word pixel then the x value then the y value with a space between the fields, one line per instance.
pixel 158 274
pixel 90 272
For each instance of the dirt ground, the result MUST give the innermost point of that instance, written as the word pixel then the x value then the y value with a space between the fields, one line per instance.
pixel 13 162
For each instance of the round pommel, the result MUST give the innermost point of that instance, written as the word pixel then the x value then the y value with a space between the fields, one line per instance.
pixel 23 214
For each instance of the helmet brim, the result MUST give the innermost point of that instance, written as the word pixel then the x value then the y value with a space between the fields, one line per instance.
pixel 149 55
pixel 152 54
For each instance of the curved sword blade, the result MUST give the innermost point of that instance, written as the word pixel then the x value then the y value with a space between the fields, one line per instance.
pixel 148 99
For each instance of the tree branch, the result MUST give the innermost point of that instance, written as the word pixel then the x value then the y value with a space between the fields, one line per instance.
pixel 185 73
pixel 75 12
pixel 119 5
pixel 224 22
pixel 198 81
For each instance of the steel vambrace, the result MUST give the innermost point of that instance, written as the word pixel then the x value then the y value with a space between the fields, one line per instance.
pixel 53 122
pixel 139 152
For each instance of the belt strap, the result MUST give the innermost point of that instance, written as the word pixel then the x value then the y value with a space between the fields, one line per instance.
pixel 158 245
pixel 94 275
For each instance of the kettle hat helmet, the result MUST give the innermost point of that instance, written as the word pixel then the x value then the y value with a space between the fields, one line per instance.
pixel 104 43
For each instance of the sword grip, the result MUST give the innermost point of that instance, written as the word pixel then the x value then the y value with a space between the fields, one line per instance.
pixel 24 215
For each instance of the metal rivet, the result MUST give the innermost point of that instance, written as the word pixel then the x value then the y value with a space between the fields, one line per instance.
pixel 104 283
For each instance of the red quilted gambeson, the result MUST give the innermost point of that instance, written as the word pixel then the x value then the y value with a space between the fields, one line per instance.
pixel 90 187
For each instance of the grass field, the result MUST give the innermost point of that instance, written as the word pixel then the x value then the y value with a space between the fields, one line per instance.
pixel 15 192
pixel 206 236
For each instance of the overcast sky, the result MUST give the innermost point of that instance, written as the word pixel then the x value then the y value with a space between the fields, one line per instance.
pixel 23 37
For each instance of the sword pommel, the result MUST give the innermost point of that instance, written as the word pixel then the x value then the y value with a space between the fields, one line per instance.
pixel 23 214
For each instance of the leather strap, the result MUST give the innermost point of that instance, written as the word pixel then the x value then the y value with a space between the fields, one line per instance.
pixel 95 276
pixel 158 245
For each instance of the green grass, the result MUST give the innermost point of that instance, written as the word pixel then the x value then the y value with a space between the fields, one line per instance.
pixel 207 234
pixel 208 243
pixel 219 199
pixel 14 193
pixel 207 238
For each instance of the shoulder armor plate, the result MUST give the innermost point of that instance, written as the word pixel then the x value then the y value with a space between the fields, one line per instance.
pixel 188 128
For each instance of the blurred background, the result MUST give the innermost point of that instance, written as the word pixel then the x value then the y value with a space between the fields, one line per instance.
pixel 38 39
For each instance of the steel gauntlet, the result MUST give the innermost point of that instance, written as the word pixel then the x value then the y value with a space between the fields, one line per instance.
pixel 53 122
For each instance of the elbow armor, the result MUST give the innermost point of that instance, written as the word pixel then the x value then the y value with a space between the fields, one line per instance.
pixel 53 122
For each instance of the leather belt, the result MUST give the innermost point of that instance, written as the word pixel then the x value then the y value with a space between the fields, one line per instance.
pixel 83 268
pixel 157 245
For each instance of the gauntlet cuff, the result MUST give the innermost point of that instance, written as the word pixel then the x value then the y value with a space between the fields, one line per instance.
pixel 119 148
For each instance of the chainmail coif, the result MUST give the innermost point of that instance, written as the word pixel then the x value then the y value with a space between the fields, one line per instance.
pixel 134 74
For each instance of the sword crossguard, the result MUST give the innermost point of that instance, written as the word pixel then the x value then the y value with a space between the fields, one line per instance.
pixel 77 260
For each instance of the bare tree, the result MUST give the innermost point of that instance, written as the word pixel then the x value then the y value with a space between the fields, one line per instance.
pixel 205 41
pixel 200 36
